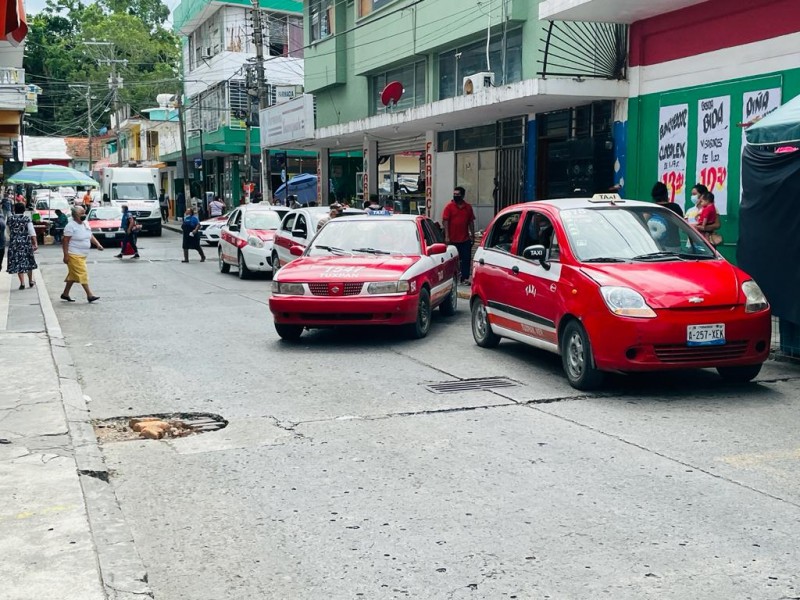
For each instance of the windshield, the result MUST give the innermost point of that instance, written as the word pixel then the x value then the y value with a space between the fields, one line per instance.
pixel 133 191
pixel 265 219
pixel 52 204
pixel 631 233
pixel 381 236
pixel 105 214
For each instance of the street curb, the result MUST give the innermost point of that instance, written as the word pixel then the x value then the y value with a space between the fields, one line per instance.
pixel 121 568
pixel 172 227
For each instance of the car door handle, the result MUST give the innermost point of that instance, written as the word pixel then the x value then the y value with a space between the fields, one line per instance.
pixel 515 270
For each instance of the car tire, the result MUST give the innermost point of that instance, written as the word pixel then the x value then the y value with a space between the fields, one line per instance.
pixel 158 231
pixel 450 305
pixel 743 374
pixel 223 266
pixel 422 324
pixel 276 263
pixel 577 358
pixel 290 333
pixel 244 272
pixel 481 328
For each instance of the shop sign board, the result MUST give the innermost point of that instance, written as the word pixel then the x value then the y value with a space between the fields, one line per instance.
pixel 713 141
pixel 673 139
pixel 291 121
pixel 428 178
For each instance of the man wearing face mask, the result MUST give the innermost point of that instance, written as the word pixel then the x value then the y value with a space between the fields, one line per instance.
pixel 459 229
pixel 77 241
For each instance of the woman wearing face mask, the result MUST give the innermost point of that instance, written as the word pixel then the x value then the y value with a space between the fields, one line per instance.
pixel 76 241
pixel 694 209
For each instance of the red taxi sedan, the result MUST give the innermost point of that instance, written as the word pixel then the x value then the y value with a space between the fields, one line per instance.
pixel 367 270
pixel 616 286
pixel 105 222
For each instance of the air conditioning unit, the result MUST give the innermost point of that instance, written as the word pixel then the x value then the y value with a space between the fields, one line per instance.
pixel 207 53
pixel 476 82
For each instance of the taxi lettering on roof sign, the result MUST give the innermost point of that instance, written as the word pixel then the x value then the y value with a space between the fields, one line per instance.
pixel 593 281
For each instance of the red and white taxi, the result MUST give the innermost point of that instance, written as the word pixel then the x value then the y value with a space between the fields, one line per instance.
pixel 615 285
pixel 47 203
pixel 246 238
pixel 105 222
pixel 297 229
pixel 211 229
pixel 367 270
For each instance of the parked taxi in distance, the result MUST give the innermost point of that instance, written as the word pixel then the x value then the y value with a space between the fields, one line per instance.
pixel 105 222
pixel 367 270
pixel 615 285
pixel 246 239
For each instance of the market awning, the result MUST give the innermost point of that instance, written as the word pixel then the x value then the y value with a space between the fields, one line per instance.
pixel 781 126
pixel 13 24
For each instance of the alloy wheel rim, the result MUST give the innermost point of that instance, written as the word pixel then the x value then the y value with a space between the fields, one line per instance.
pixel 575 359
pixel 480 321
pixel 424 317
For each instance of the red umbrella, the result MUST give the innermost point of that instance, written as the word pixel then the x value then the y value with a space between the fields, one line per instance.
pixel 13 25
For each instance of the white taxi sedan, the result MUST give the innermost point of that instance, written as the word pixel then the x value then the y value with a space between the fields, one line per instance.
pixel 246 239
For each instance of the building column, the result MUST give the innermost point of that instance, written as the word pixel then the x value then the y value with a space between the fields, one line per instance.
pixel 323 177
pixel 370 154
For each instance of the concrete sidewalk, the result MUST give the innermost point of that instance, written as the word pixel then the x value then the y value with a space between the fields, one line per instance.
pixel 62 535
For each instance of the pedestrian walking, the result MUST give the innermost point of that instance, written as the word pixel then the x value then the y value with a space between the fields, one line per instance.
pixel 21 246
pixel 131 228
pixel 216 207
pixel 163 204
pixel 87 201
pixel 459 229
pixel 77 241
pixel 191 235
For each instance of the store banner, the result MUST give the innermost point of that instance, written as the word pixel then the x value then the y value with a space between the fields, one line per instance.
pixel 673 139
pixel 755 106
pixel 713 142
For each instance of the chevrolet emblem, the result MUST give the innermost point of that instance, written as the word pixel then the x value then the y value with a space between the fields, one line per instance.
pixel 696 299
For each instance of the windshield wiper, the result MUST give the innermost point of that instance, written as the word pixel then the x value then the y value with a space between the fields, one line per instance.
pixel 333 249
pixel 371 251
pixel 657 255
pixel 605 259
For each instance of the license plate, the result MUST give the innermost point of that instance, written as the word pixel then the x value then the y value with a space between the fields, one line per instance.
pixel 111 235
pixel 705 335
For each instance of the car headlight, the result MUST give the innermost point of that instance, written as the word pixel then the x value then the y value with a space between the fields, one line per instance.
pixel 254 241
pixel 387 287
pixel 755 298
pixel 626 302
pixel 290 289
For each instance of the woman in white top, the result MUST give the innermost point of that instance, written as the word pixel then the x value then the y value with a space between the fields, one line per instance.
pixel 77 241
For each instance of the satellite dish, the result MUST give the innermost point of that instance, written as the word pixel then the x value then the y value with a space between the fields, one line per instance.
pixel 392 93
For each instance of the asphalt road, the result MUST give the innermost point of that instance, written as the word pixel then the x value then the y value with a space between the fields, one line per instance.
pixel 340 475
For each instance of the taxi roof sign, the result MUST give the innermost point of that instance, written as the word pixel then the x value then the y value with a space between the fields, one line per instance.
pixel 612 198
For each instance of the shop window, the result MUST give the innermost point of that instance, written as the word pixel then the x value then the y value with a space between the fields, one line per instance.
pixel 461 62
pixel 411 76
pixel 511 132
pixel 476 137
pixel 366 7
pixel 320 15
pixel 446 141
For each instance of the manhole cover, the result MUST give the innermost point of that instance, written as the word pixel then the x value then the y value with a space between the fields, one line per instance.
pixel 156 427
pixel 468 385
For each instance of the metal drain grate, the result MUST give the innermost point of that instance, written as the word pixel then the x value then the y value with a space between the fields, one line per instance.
pixel 469 385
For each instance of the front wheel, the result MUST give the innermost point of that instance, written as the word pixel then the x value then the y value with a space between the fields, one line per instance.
pixel 223 266
pixel 420 327
pixel 744 374
pixel 577 360
pixel 449 306
pixel 289 332
pixel 244 272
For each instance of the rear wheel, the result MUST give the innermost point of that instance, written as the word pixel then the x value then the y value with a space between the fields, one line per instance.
pixel 744 374
pixel 576 357
pixel 289 332
pixel 244 272
pixel 450 304
pixel 481 328
pixel 223 266
pixel 420 327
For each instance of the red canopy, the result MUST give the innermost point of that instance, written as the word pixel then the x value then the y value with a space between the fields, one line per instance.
pixel 13 26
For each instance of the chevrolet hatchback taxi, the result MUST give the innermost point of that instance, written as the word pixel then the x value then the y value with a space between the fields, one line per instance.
pixel 367 270
pixel 105 223
pixel 246 239
pixel 615 286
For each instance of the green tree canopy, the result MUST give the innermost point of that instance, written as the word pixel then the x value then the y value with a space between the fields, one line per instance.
pixel 72 43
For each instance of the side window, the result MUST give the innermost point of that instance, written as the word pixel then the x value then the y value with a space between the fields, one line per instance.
pixel 438 235
pixel 232 218
pixel 538 231
pixel 427 233
pixel 502 235
pixel 301 225
pixel 238 218
pixel 288 224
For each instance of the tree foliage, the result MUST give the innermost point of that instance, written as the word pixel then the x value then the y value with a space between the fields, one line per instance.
pixel 62 49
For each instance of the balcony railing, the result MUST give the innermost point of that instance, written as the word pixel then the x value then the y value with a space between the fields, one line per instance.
pixel 12 76
pixel 581 49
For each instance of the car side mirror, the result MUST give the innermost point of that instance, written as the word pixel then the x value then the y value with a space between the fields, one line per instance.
pixel 299 233
pixel 536 253
pixel 296 250
pixel 233 228
pixel 437 249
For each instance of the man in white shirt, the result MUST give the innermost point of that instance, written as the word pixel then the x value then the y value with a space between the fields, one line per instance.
pixel 76 241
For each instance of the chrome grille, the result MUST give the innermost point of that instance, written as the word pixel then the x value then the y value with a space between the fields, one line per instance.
pixel 677 353
pixel 351 288
pixel 140 213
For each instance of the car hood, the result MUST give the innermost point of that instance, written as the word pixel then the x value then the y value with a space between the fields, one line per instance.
pixel 344 268
pixel 97 224
pixel 215 220
pixel 265 235
pixel 672 284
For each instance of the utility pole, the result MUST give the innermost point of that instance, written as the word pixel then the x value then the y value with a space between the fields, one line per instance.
pixel 184 159
pixel 114 84
pixel 249 123
pixel 263 100
pixel 89 125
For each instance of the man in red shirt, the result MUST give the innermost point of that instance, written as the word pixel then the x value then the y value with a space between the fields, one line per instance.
pixel 459 229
